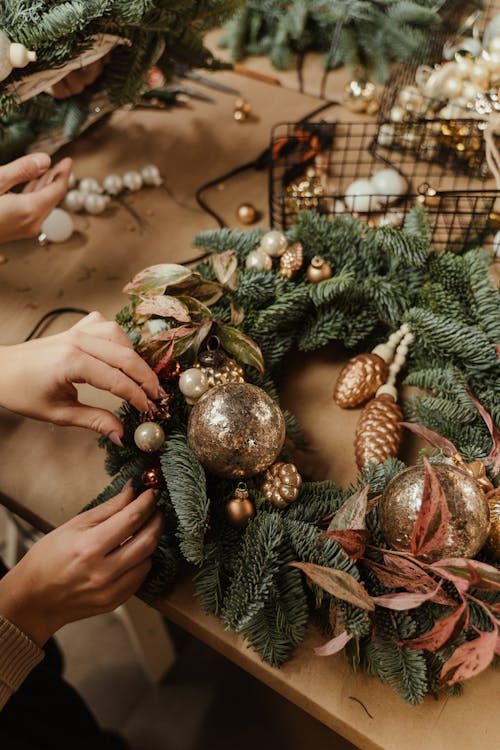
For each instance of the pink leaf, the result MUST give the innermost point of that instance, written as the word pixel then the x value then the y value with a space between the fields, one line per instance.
pixel 405 600
pixel 493 458
pixel 431 526
pixel 352 514
pixel 337 583
pixel 445 630
pixel 431 437
pixel 180 338
pixel 353 541
pixel 403 573
pixel 166 307
pixel 465 573
pixel 225 266
pixel 334 646
pixel 155 279
pixel 470 658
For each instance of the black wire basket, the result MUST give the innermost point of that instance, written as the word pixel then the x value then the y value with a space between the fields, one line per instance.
pixel 314 164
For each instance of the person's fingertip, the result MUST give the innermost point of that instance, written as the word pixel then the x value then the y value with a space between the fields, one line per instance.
pixel 128 485
pixel 115 438
pixel 42 161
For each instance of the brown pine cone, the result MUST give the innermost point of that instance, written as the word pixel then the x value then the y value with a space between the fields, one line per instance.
pixel 378 432
pixel 359 380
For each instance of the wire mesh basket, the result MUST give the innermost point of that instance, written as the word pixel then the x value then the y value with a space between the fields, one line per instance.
pixel 315 164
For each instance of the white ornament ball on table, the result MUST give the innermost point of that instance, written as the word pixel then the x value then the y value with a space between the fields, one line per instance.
pixel 96 204
pixel 57 227
pixel 149 437
pixel 72 181
pixel 151 175
pixel 388 184
pixel 74 201
pixel 274 243
pixel 193 383
pixel 258 260
pixel 89 185
pixel 12 56
pixel 113 184
pixel 360 196
pixel 132 181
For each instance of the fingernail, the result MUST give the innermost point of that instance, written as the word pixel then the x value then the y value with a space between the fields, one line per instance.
pixel 152 405
pixel 127 484
pixel 115 438
pixel 42 161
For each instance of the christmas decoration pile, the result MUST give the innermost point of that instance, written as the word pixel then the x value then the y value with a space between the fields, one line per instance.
pixel 404 565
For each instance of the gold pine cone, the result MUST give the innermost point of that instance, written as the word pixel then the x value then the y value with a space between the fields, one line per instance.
pixel 492 547
pixel 291 260
pixel 378 432
pixel 282 483
pixel 359 380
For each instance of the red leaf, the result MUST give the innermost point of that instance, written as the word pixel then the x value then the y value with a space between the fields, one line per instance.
pixel 334 646
pixel 445 630
pixel 465 573
pixel 405 600
pixel 353 541
pixel 403 573
pixel 351 515
pixel 431 437
pixel 166 307
pixel 433 518
pixel 493 458
pixel 469 659
pixel 337 583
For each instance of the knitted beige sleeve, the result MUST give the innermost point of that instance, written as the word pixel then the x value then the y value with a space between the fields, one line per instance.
pixel 18 656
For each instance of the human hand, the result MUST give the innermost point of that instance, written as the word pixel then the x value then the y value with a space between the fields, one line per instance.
pixel 22 214
pixel 88 566
pixel 37 377
pixel 76 81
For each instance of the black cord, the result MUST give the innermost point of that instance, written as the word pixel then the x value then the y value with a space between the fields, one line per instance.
pixel 53 314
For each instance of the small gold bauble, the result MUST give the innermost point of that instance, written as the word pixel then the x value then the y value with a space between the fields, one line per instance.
pixel 469 513
pixel 360 96
pixel 282 483
pixel 240 509
pixel 492 547
pixel 236 430
pixel 242 110
pixel 318 270
pixel 246 213
pixel 151 478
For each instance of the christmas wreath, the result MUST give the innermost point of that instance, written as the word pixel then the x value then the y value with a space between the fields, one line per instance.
pixel 394 569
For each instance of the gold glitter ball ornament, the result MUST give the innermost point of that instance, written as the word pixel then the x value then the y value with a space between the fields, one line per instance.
pixel 469 513
pixel 236 430
pixel 492 547
pixel 291 261
pixel 240 509
pixel 359 380
pixel 378 432
pixel 282 483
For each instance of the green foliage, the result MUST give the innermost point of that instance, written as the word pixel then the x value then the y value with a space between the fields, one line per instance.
pixel 404 669
pixel 365 34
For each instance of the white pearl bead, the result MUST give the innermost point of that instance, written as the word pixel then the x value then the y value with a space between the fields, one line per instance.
pixel 388 184
pixel 470 91
pixel 496 245
pixel 494 45
pixel 72 181
pixel 384 351
pixel 480 74
pixel 96 204
pixel 274 243
pixel 193 383
pixel 58 226
pixel 452 87
pixel 404 328
pixel 360 196
pixel 89 185
pixel 389 390
pixel 400 359
pixel 113 184
pixel 403 349
pixel 258 260
pixel 132 181
pixel 149 437
pixel 151 175
pixel 397 114
pixel 74 201
pixel 464 65
pixel 385 135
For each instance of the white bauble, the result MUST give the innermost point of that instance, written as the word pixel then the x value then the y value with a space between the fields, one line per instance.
pixel 113 184
pixel 469 91
pixel 464 65
pixel 388 185
pixel 74 201
pixel 193 383
pixel 386 134
pixel 274 243
pixel 96 204
pixel 58 226
pixel 451 87
pixel 494 45
pixel 89 185
pixel 360 196
pixel 72 181
pixel 132 181
pixel 13 55
pixel 492 30
pixel 496 245
pixel 480 74
pixel 258 260
pixel 397 114
pixel 149 437
pixel 151 175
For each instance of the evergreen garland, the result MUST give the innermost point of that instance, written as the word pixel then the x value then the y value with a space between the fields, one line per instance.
pixel 381 278
pixel 163 32
pixel 365 34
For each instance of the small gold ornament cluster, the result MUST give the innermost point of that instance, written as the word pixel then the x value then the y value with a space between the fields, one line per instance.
pixel 282 483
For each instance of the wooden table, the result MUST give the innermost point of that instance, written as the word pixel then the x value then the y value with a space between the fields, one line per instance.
pixel 65 466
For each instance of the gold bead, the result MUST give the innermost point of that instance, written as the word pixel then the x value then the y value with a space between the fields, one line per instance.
pixel 246 213
pixel 240 509
pixel 318 270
